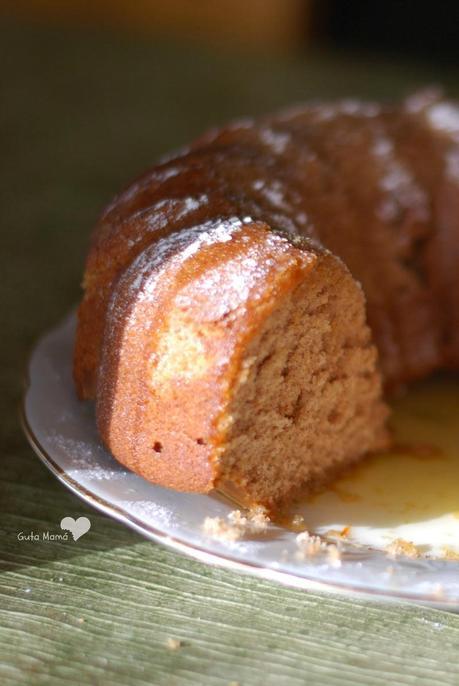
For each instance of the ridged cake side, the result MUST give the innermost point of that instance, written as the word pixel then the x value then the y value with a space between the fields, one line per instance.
pixel 376 186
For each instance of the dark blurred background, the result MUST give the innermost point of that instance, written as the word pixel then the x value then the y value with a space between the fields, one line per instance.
pixel 93 91
pixel 428 31
pixel 399 27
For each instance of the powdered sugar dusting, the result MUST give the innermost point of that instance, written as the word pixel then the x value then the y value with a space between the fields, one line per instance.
pixel 444 116
pixel 190 204
pixel 168 173
pixel 358 108
pixel 421 100
pixel 150 511
pixel 233 280
pixel 400 190
pixel 142 277
pixel 241 123
pixel 273 192
pixel 349 107
pixel 222 232
pixel 277 141
pixel 159 214
pixel 87 459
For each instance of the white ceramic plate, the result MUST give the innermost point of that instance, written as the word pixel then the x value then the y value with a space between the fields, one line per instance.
pixel 410 494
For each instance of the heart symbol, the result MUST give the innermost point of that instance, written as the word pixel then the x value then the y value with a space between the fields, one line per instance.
pixel 77 528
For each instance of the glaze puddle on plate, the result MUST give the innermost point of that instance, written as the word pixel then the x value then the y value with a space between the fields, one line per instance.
pixel 411 492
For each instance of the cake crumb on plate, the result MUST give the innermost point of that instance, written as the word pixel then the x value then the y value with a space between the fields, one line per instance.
pixel 401 547
pixel 237 524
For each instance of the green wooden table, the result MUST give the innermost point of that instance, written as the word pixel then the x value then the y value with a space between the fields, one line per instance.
pixel 80 113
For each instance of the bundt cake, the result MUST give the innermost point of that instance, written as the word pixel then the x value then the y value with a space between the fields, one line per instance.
pixel 248 301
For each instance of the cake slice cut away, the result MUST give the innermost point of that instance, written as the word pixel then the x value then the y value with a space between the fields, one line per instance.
pixel 238 357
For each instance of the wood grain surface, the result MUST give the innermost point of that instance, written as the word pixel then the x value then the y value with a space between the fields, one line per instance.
pixel 81 112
